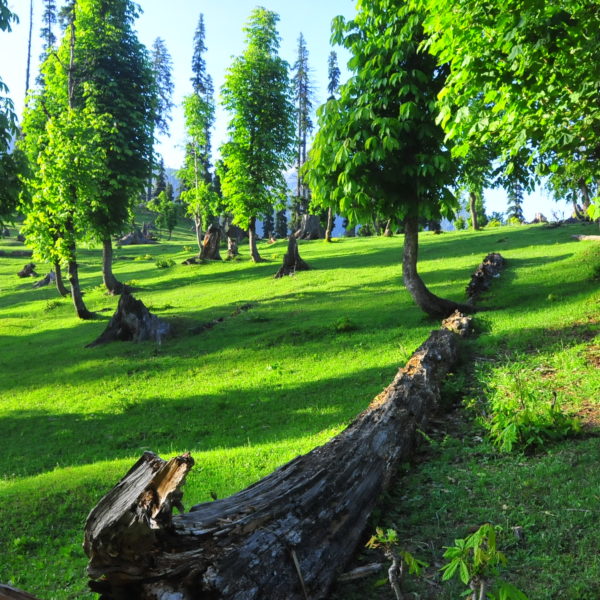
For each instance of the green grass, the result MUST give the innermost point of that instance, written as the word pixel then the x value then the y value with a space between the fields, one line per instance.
pixel 265 384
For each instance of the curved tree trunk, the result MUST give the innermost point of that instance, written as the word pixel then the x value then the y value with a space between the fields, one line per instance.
pixel 388 229
pixel 60 284
pixel 76 295
pixel 473 210
pixel 433 305
pixel 252 241
pixel 329 224
pixel 198 225
pixel 113 285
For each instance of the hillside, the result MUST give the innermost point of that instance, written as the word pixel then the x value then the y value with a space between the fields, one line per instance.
pixel 273 381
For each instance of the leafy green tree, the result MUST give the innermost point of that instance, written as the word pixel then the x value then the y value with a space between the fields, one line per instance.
pixel 199 194
pixel 10 188
pixel 524 75
pixel 165 209
pixel 115 79
pixel 515 203
pixel 378 150
pixel 160 181
pixel 257 93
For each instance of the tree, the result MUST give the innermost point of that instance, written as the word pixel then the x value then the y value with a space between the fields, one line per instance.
pixel 525 75
pixel 9 162
pixel 199 192
pixel 261 130
pixel 49 19
pixel 303 96
pixel 162 66
pixel 281 227
pixel 160 181
pixel 333 75
pixel 378 150
pixel 268 223
pixel 515 203
pixel 115 79
pixel 166 210
pixel 29 38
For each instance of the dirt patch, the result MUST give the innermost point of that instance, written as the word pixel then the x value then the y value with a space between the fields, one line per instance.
pixel 589 415
pixel 592 355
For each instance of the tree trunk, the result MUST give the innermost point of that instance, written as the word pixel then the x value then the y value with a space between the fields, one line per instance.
pixel 482 278
pixel 329 224
pixel 291 261
pixel 473 210
pixel 210 245
pixel 310 228
pixel 388 229
pixel 28 69
pixel 429 303
pixel 76 295
pixel 11 593
pixel 60 284
pixel 198 224
pixel 111 283
pixel 285 537
pixel 585 194
pixel 252 241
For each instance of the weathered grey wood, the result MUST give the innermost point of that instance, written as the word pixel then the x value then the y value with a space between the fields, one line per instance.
pixel 11 593
pixel 132 322
pixel 291 260
pixel 589 238
pixel 486 272
pixel 310 228
pixel 286 537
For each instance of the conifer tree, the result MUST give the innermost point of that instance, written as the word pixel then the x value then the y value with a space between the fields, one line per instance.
pixel 199 193
pixel 515 203
pixel 49 19
pixel 281 226
pixel 333 75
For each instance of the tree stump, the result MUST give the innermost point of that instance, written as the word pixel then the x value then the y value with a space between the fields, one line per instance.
pixel 289 535
pixel 137 237
pixel 50 278
pixel 28 271
pixel 310 228
pixel 210 245
pixel 482 278
pixel 132 322
pixel 291 260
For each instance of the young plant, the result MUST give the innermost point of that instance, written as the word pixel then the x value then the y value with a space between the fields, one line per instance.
pixel 476 560
pixel 401 559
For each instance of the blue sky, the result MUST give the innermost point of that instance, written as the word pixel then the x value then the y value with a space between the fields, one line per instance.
pixel 175 22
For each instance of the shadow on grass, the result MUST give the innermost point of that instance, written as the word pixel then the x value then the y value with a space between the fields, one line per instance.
pixel 36 441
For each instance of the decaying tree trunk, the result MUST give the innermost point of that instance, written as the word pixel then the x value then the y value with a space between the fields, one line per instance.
pixel 11 593
pixel 310 228
pixel 210 245
pixel 28 271
pixel 50 278
pixel 291 260
pixel 137 237
pixel 482 278
pixel 132 322
pixel 287 536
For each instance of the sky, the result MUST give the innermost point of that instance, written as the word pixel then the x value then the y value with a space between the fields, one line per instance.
pixel 176 21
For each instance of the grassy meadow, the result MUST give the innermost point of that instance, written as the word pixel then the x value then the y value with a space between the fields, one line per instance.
pixel 273 381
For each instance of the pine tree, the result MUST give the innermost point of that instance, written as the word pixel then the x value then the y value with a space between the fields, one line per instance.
pixel 199 193
pixel 515 203
pixel 49 19
pixel 333 75
pixel 160 181
pixel 268 223
pixel 281 227
pixel 162 65
pixel 303 96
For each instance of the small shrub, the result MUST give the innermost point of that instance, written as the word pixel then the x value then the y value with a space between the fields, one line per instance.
pixel 344 324
pixel 144 257
pixel 164 263
pixel 188 248
pixel 494 223
pixel 52 304
pixel 514 221
pixel 460 223
pixel 521 418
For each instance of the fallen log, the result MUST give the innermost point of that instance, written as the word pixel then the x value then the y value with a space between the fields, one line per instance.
pixel 291 260
pixel 132 322
pixel 11 593
pixel 288 536
pixel 587 238
pixel 482 278
pixel 50 278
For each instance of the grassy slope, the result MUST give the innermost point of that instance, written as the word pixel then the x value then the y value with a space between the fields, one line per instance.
pixel 260 387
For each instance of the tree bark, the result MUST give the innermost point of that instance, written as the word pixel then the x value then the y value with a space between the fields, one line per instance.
pixel 112 284
pixel 291 260
pixel 198 225
pixel 76 295
pixel 60 284
pixel 28 69
pixel 388 229
pixel 252 241
pixel 11 593
pixel 585 194
pixel 310 228
pixel 210 245
pixel 329 225
pixel 285 537
pixel 429 303
pixel 473 210
pixel 132 322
